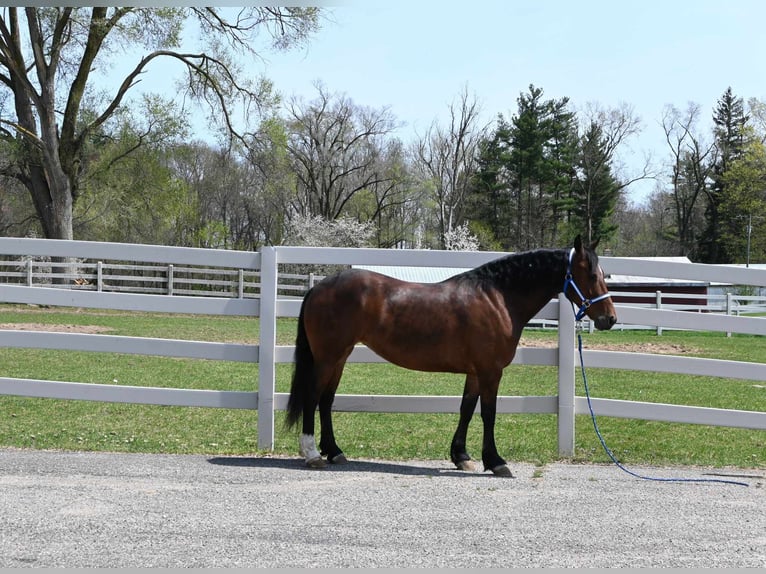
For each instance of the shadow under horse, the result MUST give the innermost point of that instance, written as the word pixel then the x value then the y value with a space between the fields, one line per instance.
pixel 470 323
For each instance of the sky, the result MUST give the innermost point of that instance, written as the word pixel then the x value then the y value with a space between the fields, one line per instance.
pixel 416 56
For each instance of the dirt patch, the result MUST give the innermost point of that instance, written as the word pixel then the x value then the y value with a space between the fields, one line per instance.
pixel 89 329
pixel 653 348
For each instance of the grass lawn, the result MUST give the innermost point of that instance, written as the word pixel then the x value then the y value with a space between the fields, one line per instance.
pixel 81 425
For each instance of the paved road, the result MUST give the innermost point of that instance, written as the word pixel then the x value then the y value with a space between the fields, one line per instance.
pixel 123 510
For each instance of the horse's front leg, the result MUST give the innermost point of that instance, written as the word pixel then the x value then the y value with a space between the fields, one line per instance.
pixel 458 450
pixel 489 455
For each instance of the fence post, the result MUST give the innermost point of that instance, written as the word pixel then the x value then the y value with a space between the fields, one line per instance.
pixel 99 276
pixel 729 307
pixel 659 306
pixel 170 279
pixel 29 272
pixel 266 348
pixel 241 279
pixel 566 398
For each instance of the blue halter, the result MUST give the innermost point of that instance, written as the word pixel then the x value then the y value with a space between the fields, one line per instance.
pixel 584 303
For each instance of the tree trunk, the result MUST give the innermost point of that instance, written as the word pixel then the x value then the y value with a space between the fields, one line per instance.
pixel 53 200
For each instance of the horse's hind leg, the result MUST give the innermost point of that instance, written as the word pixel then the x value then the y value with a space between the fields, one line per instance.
pixel 458 451
pixel 307 442
pixel 327 445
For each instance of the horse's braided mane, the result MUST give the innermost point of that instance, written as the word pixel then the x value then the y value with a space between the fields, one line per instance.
pixel 539 268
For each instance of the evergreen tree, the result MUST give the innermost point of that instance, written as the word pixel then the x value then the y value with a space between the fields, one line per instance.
pixel 730 121
pixel 522 193
pixel 596 190
pixel 743 205
pixel 489 203
pixel 562 149
pixel 526 166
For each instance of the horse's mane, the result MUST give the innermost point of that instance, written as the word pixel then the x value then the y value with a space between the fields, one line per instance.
pixel 525 270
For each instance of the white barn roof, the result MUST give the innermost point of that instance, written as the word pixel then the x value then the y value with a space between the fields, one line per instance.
pixel 437 274
pixel 415 274
pixel 615 279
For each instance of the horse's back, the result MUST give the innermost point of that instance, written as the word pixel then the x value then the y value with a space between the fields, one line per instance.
pixel 352 299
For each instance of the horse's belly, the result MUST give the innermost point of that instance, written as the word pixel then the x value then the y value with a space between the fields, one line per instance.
pixel 446 352
pixel 422 358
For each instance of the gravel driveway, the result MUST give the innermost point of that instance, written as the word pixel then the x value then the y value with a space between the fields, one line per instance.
pixel 125 510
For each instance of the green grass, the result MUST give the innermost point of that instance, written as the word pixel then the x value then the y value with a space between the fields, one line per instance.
pixel 81 425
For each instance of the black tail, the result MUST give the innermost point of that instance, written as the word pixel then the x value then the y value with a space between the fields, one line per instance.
pixel 304 380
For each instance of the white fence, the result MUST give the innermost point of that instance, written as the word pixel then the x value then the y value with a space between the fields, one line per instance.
pixel 267 353
pixel 155 278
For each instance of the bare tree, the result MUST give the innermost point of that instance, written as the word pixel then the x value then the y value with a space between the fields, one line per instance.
pixel 692 164
pixel 337 150
pixel 618 126
pixel 447 158
pixel 606 131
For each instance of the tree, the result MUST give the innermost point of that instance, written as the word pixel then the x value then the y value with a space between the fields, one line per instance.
pixel 521 194
pixel 598 187
pixel 488 205
pixel 730 121
pixel 595 191
pixel 48 60
pixel 132 195
pixel 272 185
pixel 446 159
pixel 743 204
pixel 526 158
pixel 692 162
pixel 315 231
pixel 541 168
pixel 337 150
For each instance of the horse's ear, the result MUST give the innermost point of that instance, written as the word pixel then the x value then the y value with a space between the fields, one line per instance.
pixel 578 243
pixel 595 244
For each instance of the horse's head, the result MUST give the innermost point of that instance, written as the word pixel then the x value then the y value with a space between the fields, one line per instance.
pixel 584 286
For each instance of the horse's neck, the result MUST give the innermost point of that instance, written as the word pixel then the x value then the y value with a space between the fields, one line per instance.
pixel 535 271
pixel 537 280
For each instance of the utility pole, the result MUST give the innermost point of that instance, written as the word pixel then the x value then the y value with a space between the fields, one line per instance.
pixel 749 233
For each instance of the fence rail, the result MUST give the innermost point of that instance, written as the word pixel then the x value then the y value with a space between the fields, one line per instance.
pixel 152 279
pixel 202 281
pixel 269 304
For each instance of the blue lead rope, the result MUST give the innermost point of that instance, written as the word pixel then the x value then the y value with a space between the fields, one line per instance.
pixel 609 452
pixel 579 314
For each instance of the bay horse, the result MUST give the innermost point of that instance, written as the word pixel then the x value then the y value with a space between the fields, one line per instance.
pixel 470 323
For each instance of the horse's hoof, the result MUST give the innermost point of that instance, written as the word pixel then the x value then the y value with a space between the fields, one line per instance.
pixel 316 462
pixel 466 465
pixel 339 458
pixel 502 470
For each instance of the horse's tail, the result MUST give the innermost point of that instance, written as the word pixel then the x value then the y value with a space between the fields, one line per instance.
pixel 303 384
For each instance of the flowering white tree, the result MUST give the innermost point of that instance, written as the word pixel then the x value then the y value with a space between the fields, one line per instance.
pixel 460 238
pixel 315 231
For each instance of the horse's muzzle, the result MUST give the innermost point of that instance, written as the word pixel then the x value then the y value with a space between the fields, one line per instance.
pixel 605 322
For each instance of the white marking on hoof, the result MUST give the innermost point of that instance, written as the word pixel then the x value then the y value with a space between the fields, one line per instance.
pixel 466 465
pixel 308 449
